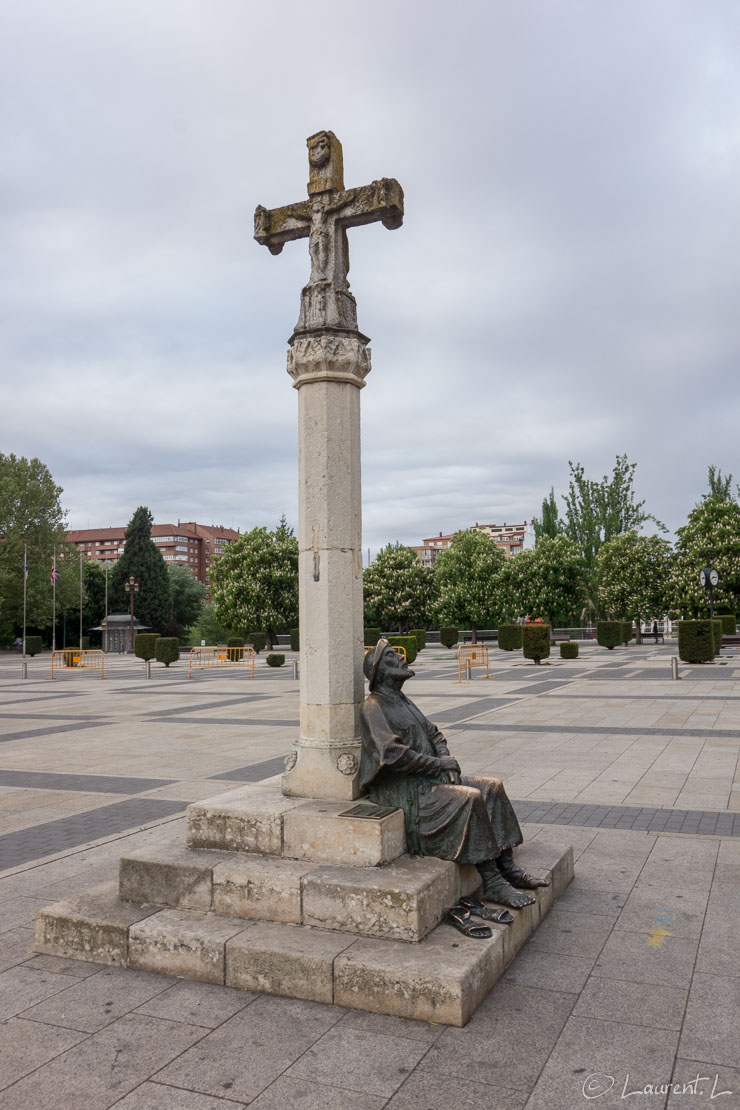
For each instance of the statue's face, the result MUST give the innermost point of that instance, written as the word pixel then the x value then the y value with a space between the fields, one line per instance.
pixel 319 151
pixel 394 665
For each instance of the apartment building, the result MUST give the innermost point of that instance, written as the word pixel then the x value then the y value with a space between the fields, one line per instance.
pixel 186 543
pixel 512 538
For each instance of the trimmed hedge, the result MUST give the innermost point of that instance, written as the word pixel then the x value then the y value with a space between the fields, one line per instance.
pixel 609 634
pixel 717 633
pixel 274 659
pixel 627 632
pixel 167 650
pixel 421 637
pixel 509 637
pixel 536 641
pixel 448 636
pixel 234 642
pixel 372 635
pixel 695 641
pixel 407 642
pixel 295 639
pixel 569 649
pixel 729 620
pixel 145 644
pixel 257 640
pixel 34 645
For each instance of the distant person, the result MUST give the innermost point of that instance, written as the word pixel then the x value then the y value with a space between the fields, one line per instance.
pixel 655 630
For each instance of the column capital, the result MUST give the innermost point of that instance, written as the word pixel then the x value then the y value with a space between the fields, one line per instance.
pixel 329 356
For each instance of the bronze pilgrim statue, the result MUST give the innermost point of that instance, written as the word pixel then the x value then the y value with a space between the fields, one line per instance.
pixel 406 763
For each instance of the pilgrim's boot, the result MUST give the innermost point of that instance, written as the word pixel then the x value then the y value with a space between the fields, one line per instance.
pixel 515 875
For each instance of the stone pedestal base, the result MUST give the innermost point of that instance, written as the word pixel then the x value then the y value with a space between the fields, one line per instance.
pixel 322 771
pixel 288 897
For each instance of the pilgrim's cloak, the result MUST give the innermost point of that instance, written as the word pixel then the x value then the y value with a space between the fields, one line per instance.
pixel 401 750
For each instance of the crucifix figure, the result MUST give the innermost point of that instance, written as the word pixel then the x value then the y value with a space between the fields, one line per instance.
pixel 328 361
pixel 324 218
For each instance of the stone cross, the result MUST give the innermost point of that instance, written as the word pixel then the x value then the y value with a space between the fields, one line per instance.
pixel 328 361
pixel 324 219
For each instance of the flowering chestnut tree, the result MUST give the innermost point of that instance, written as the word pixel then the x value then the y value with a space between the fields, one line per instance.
pixel 548 582
pixel 633 575
pixel 254 584
pixel 470 580
pixel 711 534
pixel 398 590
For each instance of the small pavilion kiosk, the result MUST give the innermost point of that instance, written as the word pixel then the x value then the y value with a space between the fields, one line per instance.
pixel 116 630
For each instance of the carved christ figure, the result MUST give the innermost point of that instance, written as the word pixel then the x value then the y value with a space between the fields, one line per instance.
pixel 329 211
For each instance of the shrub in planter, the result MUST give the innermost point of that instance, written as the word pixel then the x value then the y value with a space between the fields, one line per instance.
pixel 627 632
pixel 536 641
pixel 372 635
pixel 231 643
pixel 295 639
pixel 167 650
pixel 145 644
pixel 717 633
pixel 275 660
pixel 729 621
pixel 257 640
pixel 33 645
pixel 407 642
pixel 609 633
pixel 569 649
pixel 509 637
pixel 448 636
pixel 421 637
pixel 695 641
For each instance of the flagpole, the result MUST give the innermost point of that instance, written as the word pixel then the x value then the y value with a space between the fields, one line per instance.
pixel 80 600
pixel 54 602
pixel 25 591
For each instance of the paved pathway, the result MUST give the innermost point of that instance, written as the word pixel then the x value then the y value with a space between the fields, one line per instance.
pixel 633 980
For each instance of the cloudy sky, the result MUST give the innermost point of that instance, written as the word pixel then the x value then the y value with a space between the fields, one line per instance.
pixel 566 284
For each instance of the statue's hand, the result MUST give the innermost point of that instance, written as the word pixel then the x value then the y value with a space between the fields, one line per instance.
pixel 455 778
pixel 448 763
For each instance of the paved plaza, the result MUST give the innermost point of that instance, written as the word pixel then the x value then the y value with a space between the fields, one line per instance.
pixel 631 984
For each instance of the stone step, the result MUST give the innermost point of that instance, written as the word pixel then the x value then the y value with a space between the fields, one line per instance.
pixel 440 979
pixel 403 901
pixel 259 819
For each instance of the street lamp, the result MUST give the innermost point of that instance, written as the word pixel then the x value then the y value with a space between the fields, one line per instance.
pixel 131 587
pixel 709 578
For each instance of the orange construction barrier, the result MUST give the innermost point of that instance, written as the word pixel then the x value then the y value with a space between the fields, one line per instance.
pixel 469 656
pixel 84 660
pixel 221 657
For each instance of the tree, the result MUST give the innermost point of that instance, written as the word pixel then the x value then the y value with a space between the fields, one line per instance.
pixel 598 511
pixel 142 559
pixel 550 524
pixel 549 581
pixel 720 489
pixel 398 590
pixel 711 534
pixel 254 585
pixel 469 576
pixel 30 514
pixel 187 597
pixel 207 627
pixel 633 575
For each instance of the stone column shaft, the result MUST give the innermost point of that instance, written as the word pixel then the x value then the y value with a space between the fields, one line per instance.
pixel 328 369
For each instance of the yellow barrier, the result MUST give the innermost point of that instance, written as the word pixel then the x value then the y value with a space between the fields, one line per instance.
pixel 87 660
pixel 469 656
pixel 221 657
pixel 396 647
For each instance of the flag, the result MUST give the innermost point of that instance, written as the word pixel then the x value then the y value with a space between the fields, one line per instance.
pixel 54 576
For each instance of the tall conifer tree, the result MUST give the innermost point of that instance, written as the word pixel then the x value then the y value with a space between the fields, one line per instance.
pixel 141 557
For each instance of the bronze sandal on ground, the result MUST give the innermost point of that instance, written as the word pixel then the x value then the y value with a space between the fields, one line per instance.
pixel 503 917
pixel 461 919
